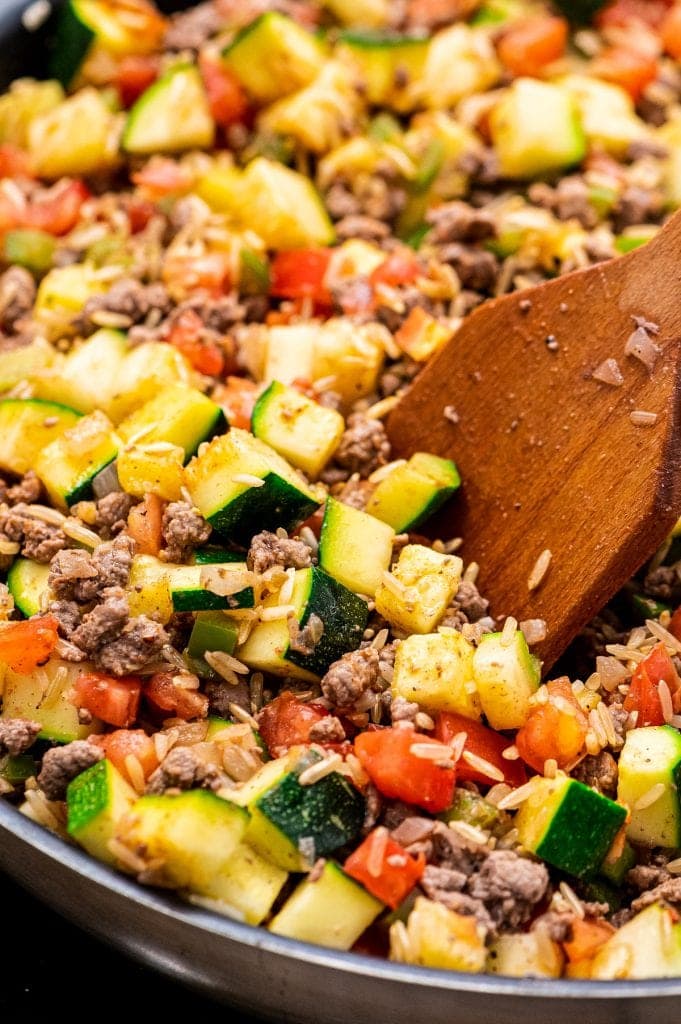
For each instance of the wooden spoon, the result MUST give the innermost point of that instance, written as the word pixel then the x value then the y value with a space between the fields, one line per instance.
pixel 551 458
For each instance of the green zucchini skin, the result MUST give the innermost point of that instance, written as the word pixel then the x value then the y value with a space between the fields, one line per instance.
pixel 214 556
pixel 330 812
pixel 71 41
pixel 344 615
pixel 27 582
pixel 277 503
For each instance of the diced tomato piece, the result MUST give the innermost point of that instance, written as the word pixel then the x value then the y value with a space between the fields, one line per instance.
pixel 187 335
pixel 188 274
pixel 162 176
pixel 25 645
pixel 483 743
pixel 237 397
pixel 528 46
pixel 587 938
pixel 140 212
pixel 226 96
pixel 629 69
pixel 134 75
pixel 624 12
pixel 644 693
pixel 15 162
pixel 115 701
pixel 144 524
pixel 125 743
pixel 670 32
pixel 300 274
pixel 287 721
pixel 314 523
pixel 674 626
pixel 554 730
pixel 384 868
pixel 59 210
pixel 164 694
pixel 401 267
pixel 388 758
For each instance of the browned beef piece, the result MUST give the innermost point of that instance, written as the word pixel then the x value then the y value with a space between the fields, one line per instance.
pixel 638 206
pixel 327 730
pixel 221 695
pixel 397 375
pixel 426 15
pixel 364 445
pixel 356 493
pixel 180 769
pixel 42 541
pixel 468 606
pixel 402 710
pixel 17 295
pixel 183 530
pixel 556 924
pixel 67 614
pixel 372 808
pixel 189 30
pixel 645 877
pixel 598 771
pixel 306 639
pixel 17 735
pixel 104 623
pixel 476 268
pixel 447 886
pixel 351 676
pixel 28 491
pixel 669 891
pixel 664 582
pixel 360 226
pixel 140 642
pixel 459 222
pixel 112 512
pixel 341 202
pixel 62 764
pixel 569 200
pixel 78 576
pixel 128 298
pixel 268 550
pixel 510 886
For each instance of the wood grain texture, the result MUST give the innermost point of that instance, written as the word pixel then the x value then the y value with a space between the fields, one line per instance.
pixel 548 455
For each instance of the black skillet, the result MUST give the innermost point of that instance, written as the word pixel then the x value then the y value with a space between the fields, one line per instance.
pixel 248 967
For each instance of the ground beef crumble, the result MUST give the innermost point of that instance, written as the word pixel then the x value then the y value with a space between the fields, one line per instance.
pixel 76 575
pixel 62 764
pixel 351 676
pixel 363 447
pixel 112 513
pixel 183 529
pixel 17 735
pixel 268 550
pixel 181 769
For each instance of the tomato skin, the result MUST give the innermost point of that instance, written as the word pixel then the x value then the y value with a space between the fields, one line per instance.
pixel 587 938
pixel 227 99
pixel 144 524
pixel 122 743
pixel 140 212
pixel 528 46
pixel 644 695
pixel 623 12
pixel 670 32
pixel 551 731
pixel 300 274
pixel 161 177
pixel 237 396
pixel 484 743
pixel 14 162
pixel 59 212
pixel 209 273
pixel 186 336
pixel 674 626
pixel 164 695
pixel 385 755
pixel 630 70
pixel 390 883
pixel 286 722
pixel 134 75
pixel 115 701
pixel 401 267
pixel 25 645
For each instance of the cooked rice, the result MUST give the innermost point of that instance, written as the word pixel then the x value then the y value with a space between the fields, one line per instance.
pixel 539 570
pixel 319 770
pixel 508 632
pixel 517 797
pixel 479 764
pixel 572 899
pixel 379 843
pixel 236 711
pixel 665 700
pixel 248 479
pixel 641 418
pixel 135 772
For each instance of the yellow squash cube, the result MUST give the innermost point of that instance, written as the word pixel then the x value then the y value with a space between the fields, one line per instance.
pixel 438 937
pixel 436 671
pixel 141 471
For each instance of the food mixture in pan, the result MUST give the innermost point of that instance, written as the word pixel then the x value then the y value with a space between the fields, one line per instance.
pixel 234 663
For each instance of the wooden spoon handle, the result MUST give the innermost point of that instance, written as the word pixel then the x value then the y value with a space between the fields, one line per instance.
pixel 550 457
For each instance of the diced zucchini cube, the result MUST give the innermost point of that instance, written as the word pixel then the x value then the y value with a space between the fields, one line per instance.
pixel 506 675
pixel 439 937
pixel 96 800
pixel 44 696
pixel 143 472
pixel 212 631
pixel 25 361
pixel 365 13
pixel 342 614
pixel 436 671
pixel 333 910
pixel 354 548
pixel 248 883
pixel 61 296
pixel 274 56
pixel 223 483
pixel 80 136
pixel 27 425
pixel 148 591
pixel 179 416
pixel 27 583
pixel 648 946
pixel 147 370
pixel 88 377
pixel 536 127
pixel 390 68
pixel 607 111
pixel 300 430
pixel 282 207
pixel 461 61
pixel 173 114
pixel 425 581
pixel 25 100
pixel 525 955
pixel 414 491
pixel 194 834
pixel 650 762
pixel 68 465
pixel 568 824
